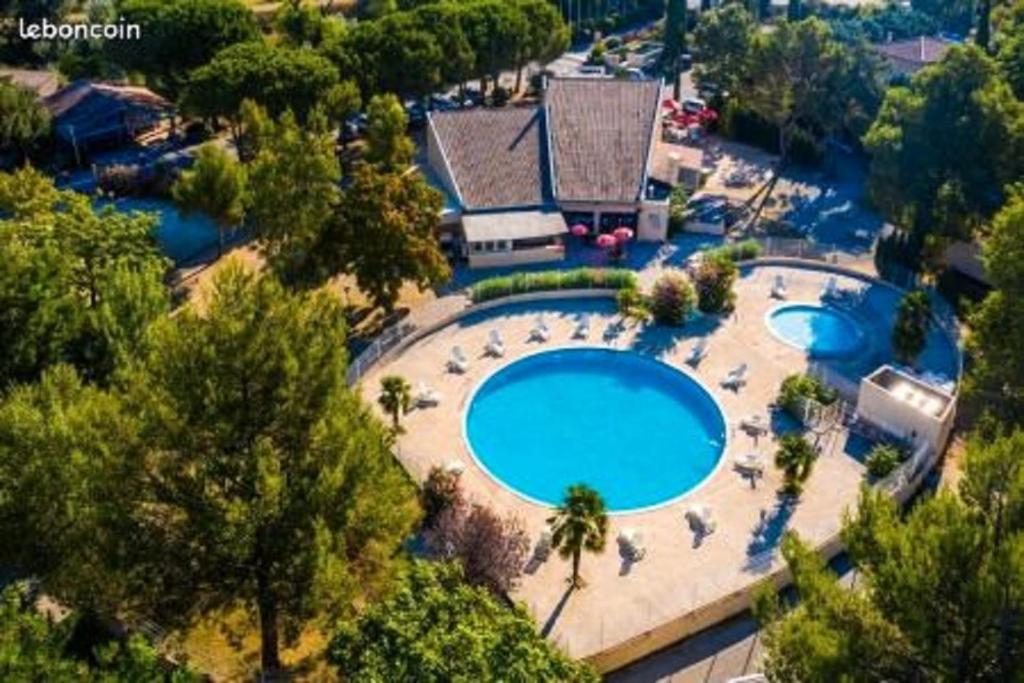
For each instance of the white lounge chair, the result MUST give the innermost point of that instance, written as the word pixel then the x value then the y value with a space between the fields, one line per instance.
pixel 754 424
pixel 737 377
pixel 701 519
pixel 778 287
pixel 495 346
pixel 582 330
pixel 456 467
pixel 458 361
pixel 425 396
pixel 632 543
pixel 831 288
pixel 753 463
pixel 698 352
pixel 540 332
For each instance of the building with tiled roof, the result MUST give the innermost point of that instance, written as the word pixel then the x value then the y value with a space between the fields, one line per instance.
pixel 521 175
pixel 907 57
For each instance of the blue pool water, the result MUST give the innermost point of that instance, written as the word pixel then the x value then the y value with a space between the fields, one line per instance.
pixel 181 237
pixel 820 331
pixel 638 431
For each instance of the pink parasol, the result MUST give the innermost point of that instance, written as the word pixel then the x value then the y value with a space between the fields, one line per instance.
pixel 622 234
pixel 605 241
pixel 579 230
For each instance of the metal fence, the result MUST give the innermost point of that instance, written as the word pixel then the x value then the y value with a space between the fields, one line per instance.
pixel 387 340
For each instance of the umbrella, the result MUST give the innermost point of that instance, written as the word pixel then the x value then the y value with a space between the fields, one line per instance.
pixel 606 240
pixel 579 230
pixel 622 234
pixel 669 103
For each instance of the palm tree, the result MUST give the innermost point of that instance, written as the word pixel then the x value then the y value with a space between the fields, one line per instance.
pixel 581 523
pixel 395 398
pixel 795 458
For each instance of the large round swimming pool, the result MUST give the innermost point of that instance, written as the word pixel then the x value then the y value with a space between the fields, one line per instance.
pixel 821 331
pixel 638 431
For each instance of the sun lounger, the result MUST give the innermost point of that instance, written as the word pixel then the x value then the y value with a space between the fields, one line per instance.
pixel 632 543
pixel 541 331
pixel 495 346
pixel 425 396
pixel 455 467
pixel 831 288
pixel 750 462
pixel 582 330
pixel 778 288
pixel 737 377
pixel 458 361
pixel 754 424
pixel 697 353
pixel 701 519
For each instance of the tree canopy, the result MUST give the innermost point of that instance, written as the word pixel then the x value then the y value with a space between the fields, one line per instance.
pixel 179 36
pixel 277 78
pixel 995 381
pixel 23 121
pixel 58 255
pixel 435 627
pixel 944 147
pixel 942 591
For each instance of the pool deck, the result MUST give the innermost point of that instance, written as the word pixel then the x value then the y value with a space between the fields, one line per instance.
pixel 680 572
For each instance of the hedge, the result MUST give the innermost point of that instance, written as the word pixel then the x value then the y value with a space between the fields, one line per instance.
pixel 580 278
pixel 736 251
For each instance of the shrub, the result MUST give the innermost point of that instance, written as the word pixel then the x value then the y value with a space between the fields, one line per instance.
pixel 797 389
pixel 441 491
pixel 580 278
pixel 491 550
pixel 677 209
pixel 121 179
pixel 883 460
pixel 795 458
pixel 735 251
pixel 632 304
pixel 672 299
pixel 713 281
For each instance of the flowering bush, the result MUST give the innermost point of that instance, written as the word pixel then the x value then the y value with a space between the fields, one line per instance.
pixel 672 299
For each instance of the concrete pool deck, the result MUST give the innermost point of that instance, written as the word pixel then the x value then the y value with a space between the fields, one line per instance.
pixel 681 575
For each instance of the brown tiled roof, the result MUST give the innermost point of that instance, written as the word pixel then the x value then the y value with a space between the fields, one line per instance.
pixel 601 136
pixel 42 83
pixel 916 51
pixel 67 98
pixel 496 156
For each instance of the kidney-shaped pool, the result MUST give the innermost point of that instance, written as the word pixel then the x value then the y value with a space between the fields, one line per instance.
pixel 637 430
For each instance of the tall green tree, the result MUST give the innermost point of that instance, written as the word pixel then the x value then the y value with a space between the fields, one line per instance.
pixel 546 36
pixel 385 234
pixel 495 30
pixel 294 192
pixel 960 121
pixel 790 81
pixel 57 255
pixel 267 480
pixel 910 331
pixel 179 36
pixel 723 40
pixel 412 635
pixel 674 38
pixel 387 144
pixel 444 22
pixel 795 457
pixel 580 523
pixel 1009 40
pixel 33 648
pixel 941 589
pixel 23 121
pixel 277 78
pixel 214 185
pixel 995 379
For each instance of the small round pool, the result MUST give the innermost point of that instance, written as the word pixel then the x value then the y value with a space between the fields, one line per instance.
pixel 821 331
pixel 638 431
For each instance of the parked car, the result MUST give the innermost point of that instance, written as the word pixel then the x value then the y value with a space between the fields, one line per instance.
pixel 417 114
